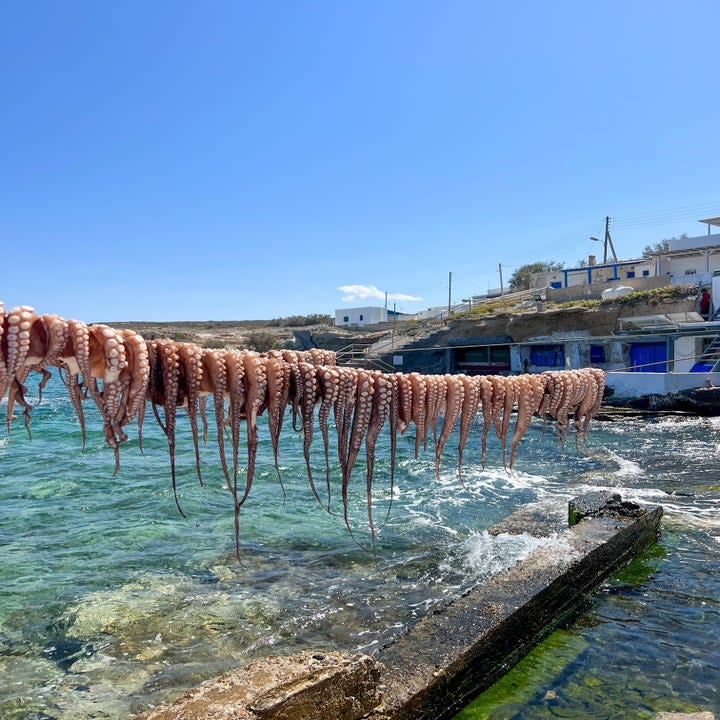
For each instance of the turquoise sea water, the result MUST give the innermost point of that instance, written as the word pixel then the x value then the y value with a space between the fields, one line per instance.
pixel 111 601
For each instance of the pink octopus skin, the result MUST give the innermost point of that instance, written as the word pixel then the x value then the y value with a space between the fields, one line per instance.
pixel 329 379
pixel 215 382
pixel 600 378
pixel 37 345
pixel 471 402
pixel 436 403
pixel 310 397
pixel 137 375
pixel 278 378
pixel 419 393
pixel 190 357
pixel 360 423
pixel 17 325
pixel 454 397
pixel 236 393
pixel 168 362
pixel 382 398
pixel 531 390
pixel 570 395
pixel 107 361
pixel 405 401
pixel 511 397
pixel 497 402
pixel 344 410
pixel 256 389
pixel 4 374
pixel 486 394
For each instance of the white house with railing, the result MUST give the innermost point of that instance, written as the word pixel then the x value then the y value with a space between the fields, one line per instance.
pixel 687 261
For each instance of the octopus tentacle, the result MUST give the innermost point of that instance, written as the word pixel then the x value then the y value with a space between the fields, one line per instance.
pixel 215 381
pixel 4 374
pixel 278 378
pixel 310 395
pixel 394 422
pixel 296 391
pixel 169 363
pixel 382 398
pixel 344 407
pixel 531 390
pixel 405 401
pixel 190 357
pixel 202 409
pixel 486 393
pixel 419 394
pixel 434 403
pixel 107 361
pixel 455 395
pixel 236 390
pixel 329 378
pixel 16 342
pixel 600 378
pixel 37 346
pixel 497 402
pixel 511 396
pixel 361 420
pixel 136 375
pixel 570 384
pixel 58 334
pixel 471 402
pixel 256 388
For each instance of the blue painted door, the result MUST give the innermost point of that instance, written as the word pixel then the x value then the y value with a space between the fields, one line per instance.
pixel 648 357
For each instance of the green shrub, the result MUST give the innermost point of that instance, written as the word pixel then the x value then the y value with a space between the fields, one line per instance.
pixel 261 341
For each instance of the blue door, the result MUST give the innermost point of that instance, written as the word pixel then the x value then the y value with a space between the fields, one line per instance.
pixel 648 357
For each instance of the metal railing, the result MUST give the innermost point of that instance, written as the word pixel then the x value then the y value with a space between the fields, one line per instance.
pixel 360 355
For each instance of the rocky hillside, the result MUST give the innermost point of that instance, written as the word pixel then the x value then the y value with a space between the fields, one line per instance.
pixel 518 321
pixel 255 334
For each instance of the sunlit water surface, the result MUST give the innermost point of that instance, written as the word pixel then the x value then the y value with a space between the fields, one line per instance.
pixel 111 601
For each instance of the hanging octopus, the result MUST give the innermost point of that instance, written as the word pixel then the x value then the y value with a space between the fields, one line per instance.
pixel 121 372
pixel 454 397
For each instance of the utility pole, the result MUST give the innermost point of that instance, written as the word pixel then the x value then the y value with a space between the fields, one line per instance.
pixel 449 292
pixel 501 284
pixel 608 242
pixel 392 344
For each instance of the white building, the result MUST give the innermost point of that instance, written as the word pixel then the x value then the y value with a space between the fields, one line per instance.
pixel 361 316
pixel 691 260
pixel 687 261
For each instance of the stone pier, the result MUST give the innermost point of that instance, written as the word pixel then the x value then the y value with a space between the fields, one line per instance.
pixel 440 664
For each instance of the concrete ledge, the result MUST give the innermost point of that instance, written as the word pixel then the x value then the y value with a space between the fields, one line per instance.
pixel 306 685
pixel 446 659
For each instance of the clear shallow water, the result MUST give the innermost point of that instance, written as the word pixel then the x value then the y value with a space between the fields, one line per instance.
pixel 111 600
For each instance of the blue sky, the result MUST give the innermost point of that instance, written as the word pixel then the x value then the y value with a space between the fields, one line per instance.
pixel 243 160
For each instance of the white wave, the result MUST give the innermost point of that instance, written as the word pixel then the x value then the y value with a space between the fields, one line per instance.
pixel 487 555
pixel 626 468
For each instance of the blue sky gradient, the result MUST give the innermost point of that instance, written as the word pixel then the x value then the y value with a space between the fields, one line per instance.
pixel 238 160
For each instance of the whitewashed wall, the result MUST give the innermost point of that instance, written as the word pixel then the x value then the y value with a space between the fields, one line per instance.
pixel 360 316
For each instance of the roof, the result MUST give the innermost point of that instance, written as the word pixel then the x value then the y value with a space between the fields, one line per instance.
pixel 667 321
pixel 711 221
pixel 479 340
